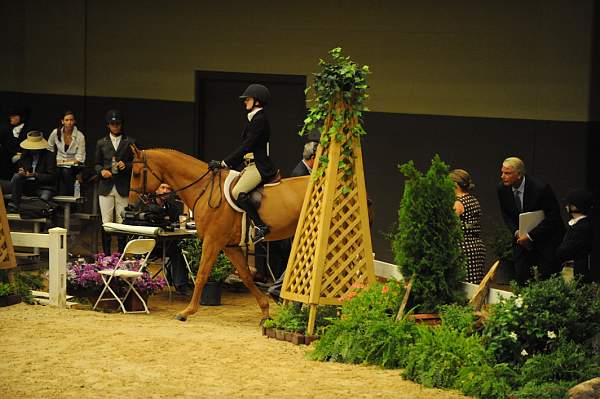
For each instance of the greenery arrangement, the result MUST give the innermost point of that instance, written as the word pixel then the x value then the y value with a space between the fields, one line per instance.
pixel 502 244
pixel 220 270
pixel 553 319
pixel 294 318
pixel 427 241
pixel 22 285
pixel 6 289
pixel 340 92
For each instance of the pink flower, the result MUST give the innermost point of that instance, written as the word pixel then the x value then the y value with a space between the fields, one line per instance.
pixel 385 289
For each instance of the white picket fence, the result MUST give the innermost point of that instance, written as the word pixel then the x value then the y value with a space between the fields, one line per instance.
pixel 389 270
pixel 56 242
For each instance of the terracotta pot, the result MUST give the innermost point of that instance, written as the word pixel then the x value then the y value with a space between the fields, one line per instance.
pixel 288 335
pixel 308 339
pixel 270 332
pixel 426 318
pixel 211 294
pixel 280 335
pixel 297 339
pixel 9 300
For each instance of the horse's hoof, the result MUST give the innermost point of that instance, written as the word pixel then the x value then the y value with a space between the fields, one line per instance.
pixel 181 317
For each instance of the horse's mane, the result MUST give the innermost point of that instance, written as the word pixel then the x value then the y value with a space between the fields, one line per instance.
pixel 175 151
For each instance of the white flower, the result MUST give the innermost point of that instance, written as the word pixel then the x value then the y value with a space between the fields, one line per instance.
pixel 551 334
pixel 519 302
pixel 524 353
pixel 513 336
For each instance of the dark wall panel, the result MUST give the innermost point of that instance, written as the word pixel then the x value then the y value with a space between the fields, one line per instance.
pixel 553 151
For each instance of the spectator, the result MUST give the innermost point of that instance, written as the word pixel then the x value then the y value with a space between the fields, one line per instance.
pixel 37 171
pixel 10 150
pixel 176 265
pixel 576 246
pixel 69 144
pixel 469 211
pixel 518 193
pixel 113 166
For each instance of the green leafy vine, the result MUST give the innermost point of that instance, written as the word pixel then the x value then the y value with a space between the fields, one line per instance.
pixel 340 92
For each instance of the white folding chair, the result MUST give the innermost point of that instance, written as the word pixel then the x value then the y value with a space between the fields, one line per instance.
pixel 187 264
pixel 139 247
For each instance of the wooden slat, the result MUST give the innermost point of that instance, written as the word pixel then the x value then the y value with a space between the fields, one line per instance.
pixel 30 240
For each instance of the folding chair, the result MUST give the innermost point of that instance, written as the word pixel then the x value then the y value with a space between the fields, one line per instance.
pixel 138 247
pixel 187 264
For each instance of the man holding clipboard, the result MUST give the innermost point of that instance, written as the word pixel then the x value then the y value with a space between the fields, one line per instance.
pixel 532 213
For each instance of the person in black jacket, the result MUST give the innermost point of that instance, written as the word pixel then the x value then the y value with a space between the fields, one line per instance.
pixel 519 193
pixel 578 241
pixel 255 139
pixel 37 171
pixel 10 139
pixel 113 166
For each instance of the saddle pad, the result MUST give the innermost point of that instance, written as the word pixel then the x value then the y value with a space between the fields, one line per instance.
pixel 227 189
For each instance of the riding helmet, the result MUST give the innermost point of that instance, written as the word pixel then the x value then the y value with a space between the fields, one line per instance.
pixel 258 92
pixel 114 116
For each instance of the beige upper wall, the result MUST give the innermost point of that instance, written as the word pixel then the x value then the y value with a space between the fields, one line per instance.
pixel 516 59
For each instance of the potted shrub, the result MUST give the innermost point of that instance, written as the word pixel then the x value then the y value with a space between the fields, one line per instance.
pixel 84 281
pixel 8 295
pixel 211 293
pixel 502 246
pixel 426 244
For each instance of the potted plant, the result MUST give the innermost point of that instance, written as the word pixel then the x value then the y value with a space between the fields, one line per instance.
pixel 426 244
pixel 8 295
pixel 84 281
pixel 211 293
pixel 502 246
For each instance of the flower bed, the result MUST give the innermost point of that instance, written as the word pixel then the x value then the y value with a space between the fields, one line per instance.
pixel 536 344
pixel 84 280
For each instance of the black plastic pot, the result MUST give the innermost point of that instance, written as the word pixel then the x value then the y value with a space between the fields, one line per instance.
pixel 9 300
pixel 211 294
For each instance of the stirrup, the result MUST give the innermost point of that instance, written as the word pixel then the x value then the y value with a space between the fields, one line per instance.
pixel 260 233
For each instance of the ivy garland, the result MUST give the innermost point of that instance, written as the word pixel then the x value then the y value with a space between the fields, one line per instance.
pixel 340 92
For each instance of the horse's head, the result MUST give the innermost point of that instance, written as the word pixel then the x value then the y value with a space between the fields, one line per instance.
pixel 144 179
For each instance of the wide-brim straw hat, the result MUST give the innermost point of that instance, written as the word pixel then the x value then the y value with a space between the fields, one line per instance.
pixel 35 141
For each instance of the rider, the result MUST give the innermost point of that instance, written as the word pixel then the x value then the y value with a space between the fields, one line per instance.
pixel 255 139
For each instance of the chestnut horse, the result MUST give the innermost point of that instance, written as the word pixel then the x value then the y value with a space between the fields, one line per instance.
pixel 218 224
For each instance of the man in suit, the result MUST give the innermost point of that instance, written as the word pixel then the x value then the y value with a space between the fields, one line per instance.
pixel 113 166
pixel 519 193
pixel 37 171
pixel 578 242
pixel 10 139
pixel 304 167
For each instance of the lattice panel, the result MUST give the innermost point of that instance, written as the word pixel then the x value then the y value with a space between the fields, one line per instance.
pixel 7 252
pixel 332 246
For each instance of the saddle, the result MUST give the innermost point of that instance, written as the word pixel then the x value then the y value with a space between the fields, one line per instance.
pixel 255 195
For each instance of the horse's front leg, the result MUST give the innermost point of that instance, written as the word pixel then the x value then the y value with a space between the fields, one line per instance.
pixel 210 250
pixel 236 256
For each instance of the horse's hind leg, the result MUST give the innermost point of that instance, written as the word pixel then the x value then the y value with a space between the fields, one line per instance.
pixel 236 256
pixel 210 250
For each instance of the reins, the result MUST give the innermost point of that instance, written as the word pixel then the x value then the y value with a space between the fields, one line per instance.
pixel 145 197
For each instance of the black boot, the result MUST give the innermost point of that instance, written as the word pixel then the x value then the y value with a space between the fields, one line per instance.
pixel 261 229
pixel 106 240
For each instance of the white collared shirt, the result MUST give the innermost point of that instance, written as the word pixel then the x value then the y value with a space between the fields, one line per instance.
pixel 17 129
pixel 574 221
pixel 251 114
pixel 116 140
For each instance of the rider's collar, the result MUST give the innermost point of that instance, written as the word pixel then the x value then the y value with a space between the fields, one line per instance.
pixel 253 112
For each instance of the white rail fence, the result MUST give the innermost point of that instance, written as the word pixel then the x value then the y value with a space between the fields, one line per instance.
pixel 56 242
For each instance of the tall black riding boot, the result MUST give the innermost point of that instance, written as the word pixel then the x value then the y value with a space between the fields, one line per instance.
pixel 106 240
pixel 261 229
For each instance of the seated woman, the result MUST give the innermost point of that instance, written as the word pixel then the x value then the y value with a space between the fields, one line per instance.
pixel 469 211
pixel 36 175
pixel 69 144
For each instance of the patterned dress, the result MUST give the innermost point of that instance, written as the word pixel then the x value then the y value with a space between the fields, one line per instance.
pixel 472 245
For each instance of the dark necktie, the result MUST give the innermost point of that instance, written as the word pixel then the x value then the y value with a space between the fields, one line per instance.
pixel 518 201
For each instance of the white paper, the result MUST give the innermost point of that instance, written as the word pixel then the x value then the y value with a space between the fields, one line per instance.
pixel 126 228
pixel 529 220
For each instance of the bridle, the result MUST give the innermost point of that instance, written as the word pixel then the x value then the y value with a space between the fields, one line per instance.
pixel 146 197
